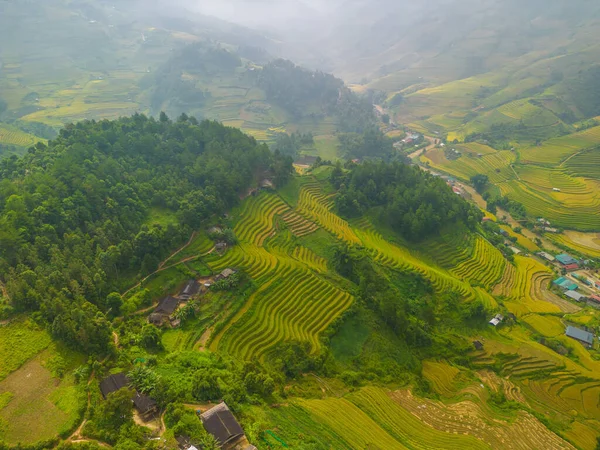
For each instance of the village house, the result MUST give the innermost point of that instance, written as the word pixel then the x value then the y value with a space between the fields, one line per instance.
pixel 222 425
pixel 163 312
pixel 191 289
pixel 225 274
pixel 478 345
pixel 496 320
pixel 547 256
pixel 566 284
pixel 575 295
pixel 215 230
pixel 566 260
pixel 585 337
pixel 142 403
pixel 221 246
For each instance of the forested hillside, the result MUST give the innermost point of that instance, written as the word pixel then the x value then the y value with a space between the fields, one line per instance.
pixel 77 214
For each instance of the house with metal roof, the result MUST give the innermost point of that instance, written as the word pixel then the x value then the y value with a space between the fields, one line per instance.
pixel 585 337
pixel 575 295
pixel 565 259
pixel 566 284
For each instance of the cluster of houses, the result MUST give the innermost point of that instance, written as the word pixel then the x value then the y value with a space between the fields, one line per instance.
pixel 164 313
pixel 412 138
pixel 219 421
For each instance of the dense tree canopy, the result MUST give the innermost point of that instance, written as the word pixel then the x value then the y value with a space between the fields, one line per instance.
pixel 412 202
pixel 74 215
pixel 304 93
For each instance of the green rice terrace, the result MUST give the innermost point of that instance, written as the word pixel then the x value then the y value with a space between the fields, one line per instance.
pixel 316 328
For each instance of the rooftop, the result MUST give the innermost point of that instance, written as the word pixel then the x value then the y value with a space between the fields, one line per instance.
pixel 220 422
pixel 580 335
pixel 566 259
pixel 574 295
pixel 167 305
pixel 113 383
pixel 191 288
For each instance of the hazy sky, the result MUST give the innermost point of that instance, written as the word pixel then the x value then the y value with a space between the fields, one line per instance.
pixel 271 13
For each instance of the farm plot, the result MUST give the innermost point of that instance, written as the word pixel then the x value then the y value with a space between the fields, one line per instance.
pixel 10 135
pixel 397 257
pixel 523 287
pixel 585 243
pixel 38 405
pixel 443 377
pixel 571 211
pixel 495 165
pixel 469 419
pixel 584 164
pixel 298 306
pixel 554 151
pixel 486 265
pixel 316 206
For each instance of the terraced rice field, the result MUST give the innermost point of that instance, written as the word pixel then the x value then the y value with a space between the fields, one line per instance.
pixel 292 302
pixel 568 210
pixel 549 326
pixel 442 376
pixel 485 265
pixel 495 165
pixel 471 419
pixel 10 135
pixel 584 164
pixel 585 243
pixel 522 285
pixel 369 418
pixel 299 308
pixel 555 151
pixel 316 206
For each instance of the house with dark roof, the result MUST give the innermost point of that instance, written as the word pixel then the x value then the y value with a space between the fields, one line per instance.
pixel 478 345
pixel 162 313
pixel 115 382
pixel 223 426
pixel 585 337
pixel 191 289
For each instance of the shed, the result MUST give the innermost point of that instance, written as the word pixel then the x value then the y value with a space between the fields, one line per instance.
pixel 573 266
pixel 190 289
pixel 585 337
pixel 215 230
pixel 221 423
pixel 220 246
pixel 565 259
pixel 575 295
pixel 478 345
pixel 113 383
pixel 515 250
pixel 547 256
pixel 225 274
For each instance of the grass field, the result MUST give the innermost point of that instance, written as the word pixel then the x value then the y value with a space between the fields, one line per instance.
pixel 38 395
pixel 20 341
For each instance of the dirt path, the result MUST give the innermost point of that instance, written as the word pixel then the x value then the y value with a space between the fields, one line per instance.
pixel 203 407
pixel 419 152
pixel 204 338
pixel 572 156
pixel 191 258
pixel 178 251
pixel 115 338
pixel 4 291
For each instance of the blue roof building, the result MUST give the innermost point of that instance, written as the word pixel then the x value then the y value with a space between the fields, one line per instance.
pixel 565 259
pixel 582 336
